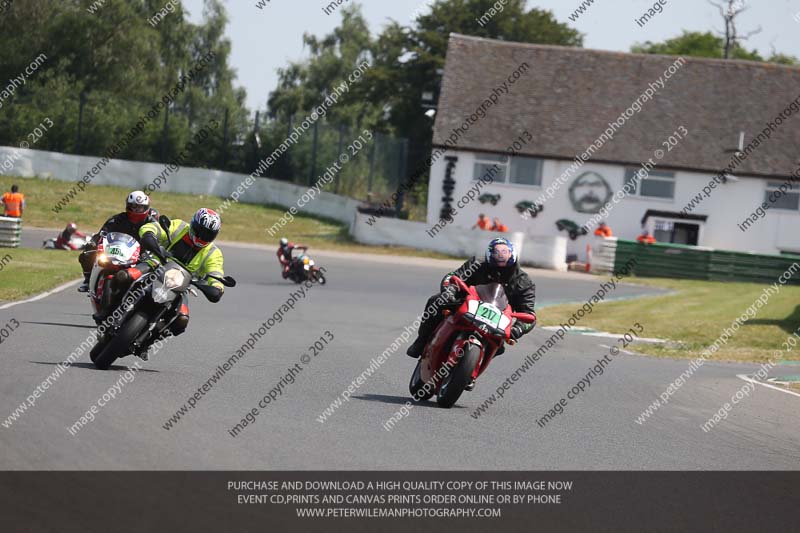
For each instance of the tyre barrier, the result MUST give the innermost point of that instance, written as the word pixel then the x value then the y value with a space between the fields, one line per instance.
pixel 10 232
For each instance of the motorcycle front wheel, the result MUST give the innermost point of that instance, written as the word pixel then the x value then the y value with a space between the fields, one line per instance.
pixel 459 377
pixel 417 387
pixel 120 344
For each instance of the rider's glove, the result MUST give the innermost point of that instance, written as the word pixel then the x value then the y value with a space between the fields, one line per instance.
pixel 212 293
pixel 450 294
pixel 517 331
pixel 162 254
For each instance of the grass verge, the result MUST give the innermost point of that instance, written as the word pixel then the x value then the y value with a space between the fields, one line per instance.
pixel 26 272
pixel 695 315
pixel 240 222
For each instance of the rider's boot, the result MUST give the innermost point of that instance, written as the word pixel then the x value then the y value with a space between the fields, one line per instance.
pixel 417 347
pixel 84 287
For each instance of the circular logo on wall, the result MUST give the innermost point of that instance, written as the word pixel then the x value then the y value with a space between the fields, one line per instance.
pixel 589 192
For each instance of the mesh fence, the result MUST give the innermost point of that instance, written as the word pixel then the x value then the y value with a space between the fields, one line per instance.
pixel 375 162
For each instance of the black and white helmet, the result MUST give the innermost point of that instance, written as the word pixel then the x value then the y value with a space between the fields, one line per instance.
pixel 137 206
pixel 204 227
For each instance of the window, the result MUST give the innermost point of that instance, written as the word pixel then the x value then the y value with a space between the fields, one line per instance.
pixel 781 196
pixel 525 171
pixel 652 185
pixel 514 170
pixel 484 164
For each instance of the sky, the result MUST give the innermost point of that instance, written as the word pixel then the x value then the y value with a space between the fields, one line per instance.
pixel 264 40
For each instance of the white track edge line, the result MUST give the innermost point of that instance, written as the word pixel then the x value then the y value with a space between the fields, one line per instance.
pixel 42 295
pixel 751 380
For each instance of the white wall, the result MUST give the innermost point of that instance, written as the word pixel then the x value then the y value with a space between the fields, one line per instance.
pixel 728 205
pixel 544 252
pixel 134 174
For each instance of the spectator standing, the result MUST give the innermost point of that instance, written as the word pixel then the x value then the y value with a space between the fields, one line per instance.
pixel 646 238
pixel 499 226
pixel 14 202
pixel 483 222
pixel 603 230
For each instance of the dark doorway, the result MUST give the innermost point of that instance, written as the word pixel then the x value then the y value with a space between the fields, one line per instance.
pixel 685 234
pixel 677 233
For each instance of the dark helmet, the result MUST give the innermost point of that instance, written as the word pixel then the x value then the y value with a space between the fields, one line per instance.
pixel 500 254
pixel 204 227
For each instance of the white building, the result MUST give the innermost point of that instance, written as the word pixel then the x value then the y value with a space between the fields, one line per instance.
pixel 683 119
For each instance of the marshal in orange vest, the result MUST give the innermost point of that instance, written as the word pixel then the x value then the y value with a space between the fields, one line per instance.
pixel 14 202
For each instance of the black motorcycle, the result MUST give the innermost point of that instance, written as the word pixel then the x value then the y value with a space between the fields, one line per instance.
pixel 303 269
pixel 148 309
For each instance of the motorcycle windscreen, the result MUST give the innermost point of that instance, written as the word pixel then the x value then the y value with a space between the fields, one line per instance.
pixel 494 294
pixel 121 247
pixel 120 239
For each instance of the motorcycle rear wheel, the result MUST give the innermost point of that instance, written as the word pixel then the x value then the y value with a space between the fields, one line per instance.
pixel 459 377
pixel 120 344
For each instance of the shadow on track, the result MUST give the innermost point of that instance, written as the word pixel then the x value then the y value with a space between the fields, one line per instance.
pixel 86 326
pixel 91 366
pixel 398 400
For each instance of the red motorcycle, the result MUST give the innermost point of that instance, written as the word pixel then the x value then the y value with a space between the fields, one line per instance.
pixel 465 343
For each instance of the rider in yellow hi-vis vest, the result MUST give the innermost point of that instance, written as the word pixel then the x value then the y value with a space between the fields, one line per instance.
pixel 191 245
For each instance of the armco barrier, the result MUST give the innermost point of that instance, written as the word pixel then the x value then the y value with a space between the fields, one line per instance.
pixel 10 231
pixel 138 175
pixel 693 262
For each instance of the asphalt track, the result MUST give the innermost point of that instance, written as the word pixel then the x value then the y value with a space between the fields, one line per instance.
pixel 365 306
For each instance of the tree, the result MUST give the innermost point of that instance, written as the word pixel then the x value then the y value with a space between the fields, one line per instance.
pixel 405 62
pixel 424 46
pixel 119 66
pixel 696 44
pixel 729 13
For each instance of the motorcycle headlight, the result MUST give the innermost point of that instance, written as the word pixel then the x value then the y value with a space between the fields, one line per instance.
pixel 102 259
pixel 305 260
pixel 173 278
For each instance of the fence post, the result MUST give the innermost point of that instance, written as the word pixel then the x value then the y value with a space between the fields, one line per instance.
pixel 372 164
pixel 79 141
pixel 341 140
pixel 402 177
pixel 225 140
pixel 314 155
pixel 287 163
pixel 256 142
pixel 165 135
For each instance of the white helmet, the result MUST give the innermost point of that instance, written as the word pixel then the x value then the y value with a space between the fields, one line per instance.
pixel 284 241
pixel 137 206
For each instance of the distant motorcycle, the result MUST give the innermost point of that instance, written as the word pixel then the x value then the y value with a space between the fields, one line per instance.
pixel 464 343
pixel 303 269
pixel 77 241
pixel 115 252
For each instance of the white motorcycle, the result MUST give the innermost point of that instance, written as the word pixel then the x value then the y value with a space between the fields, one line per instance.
pixel 115 252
